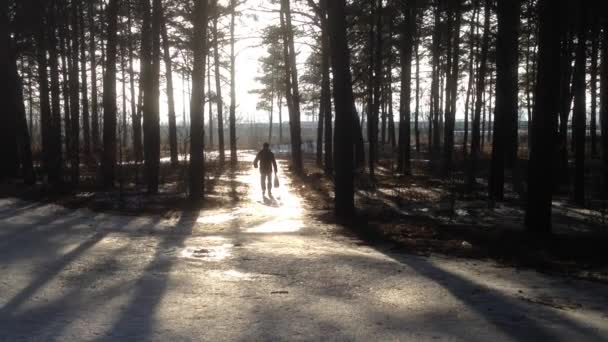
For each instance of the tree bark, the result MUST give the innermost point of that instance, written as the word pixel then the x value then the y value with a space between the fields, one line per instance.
pixel 407 42
pixel 580 107
pixel 218 90
pixel 344 105
pixel 504 145
pixel 480 87
pixel 144 60
pixel 86 127
pixel 96 143
pixel 328 165
pixel 199 42
pixel 54 157
pixel 170 98
pixel 595 42
pixel 232 118
pixel 294 113
pixel 604 104
pixel 454 13
pixel 108 161
pixel 544 124
pixel 74 100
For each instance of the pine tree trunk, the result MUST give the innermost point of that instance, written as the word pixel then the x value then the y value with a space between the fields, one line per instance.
pixel 74 100
pixel 544 124
pixel 86 127
pixel 452 83
pixel 471 78
pixel 65 67
pixel 54 158
pixel 294 113
pixel 435 100
pixel 604 104
pixel 480 87
pixel 151 123
pixel 595 42
pixel 407 42
pixel 580 107
pixel 170 98
pixel 344 105
pixel 109 98
pixel 218 91
pixel 504 145
pixel 199 42
pixel 232 118
pixel 96 143
pixel 417 110
pixel 43 88
pixel 135 108
pixel 328 162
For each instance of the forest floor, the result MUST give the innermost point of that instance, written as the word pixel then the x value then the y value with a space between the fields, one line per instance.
pixel 423 215
pixel 263 269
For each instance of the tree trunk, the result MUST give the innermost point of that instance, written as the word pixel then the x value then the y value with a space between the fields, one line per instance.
pixel 170 99
pixel 407 42
pixel 65 67
pixel 604 104
pixel 43 88
pixel 86 127
pixel 471 78
pixel 344 105
pixel 328 165
pixel 151 101
pixel 210 147
pixel 480 87
pixel 294 113
pixel 96 143
pixel 109 98
pixel 199 42
pixel 232 118
pixel 54 157
pixel 595 42
pixel 580 107
pixel 504 145
pixel 218 91
pixel 435 101
pixel 452 83
pixel 417 110
pixel 74 101
pixel 544 124
pixel 144 60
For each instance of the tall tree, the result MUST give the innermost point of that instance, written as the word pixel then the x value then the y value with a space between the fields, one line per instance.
pixel 344 105
pixel 150 79
pixel 170 97
pixel 328 162
pixel 232 117
pixel 54 156
pixel 43 84
pixel 144 61
pixel 604 103
pixel 74 98
pixel 480 87
pixel 504 146
pixel 580 106
pixel 595 42
pixel 86 127
pixel 218 87
pixel 294 114
pixel 109 97
pixel 453 56
pixel 407 41
pixel 544 122
pixel 199 42
pixel 93 61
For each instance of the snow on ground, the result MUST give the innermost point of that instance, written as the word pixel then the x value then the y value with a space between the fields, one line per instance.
pixel 262 270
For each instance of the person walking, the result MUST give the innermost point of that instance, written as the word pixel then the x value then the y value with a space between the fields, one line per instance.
pixel 267 162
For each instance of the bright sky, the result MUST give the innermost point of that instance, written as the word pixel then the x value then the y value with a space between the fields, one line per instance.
pixel 256 15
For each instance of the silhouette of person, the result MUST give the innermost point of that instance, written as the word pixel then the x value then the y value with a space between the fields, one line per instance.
pixel 267 162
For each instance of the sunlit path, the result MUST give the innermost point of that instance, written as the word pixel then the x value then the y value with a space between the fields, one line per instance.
pixel 261 270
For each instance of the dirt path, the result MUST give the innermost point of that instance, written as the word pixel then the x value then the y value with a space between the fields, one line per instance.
pixel 261 271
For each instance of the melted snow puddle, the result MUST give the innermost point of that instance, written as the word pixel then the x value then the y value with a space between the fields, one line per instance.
pixel 210 253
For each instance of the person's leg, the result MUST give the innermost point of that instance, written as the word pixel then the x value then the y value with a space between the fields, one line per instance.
pixel 270 184
pixel 263 182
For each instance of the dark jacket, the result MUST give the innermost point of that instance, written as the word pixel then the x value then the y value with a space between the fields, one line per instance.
pixel 267 161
